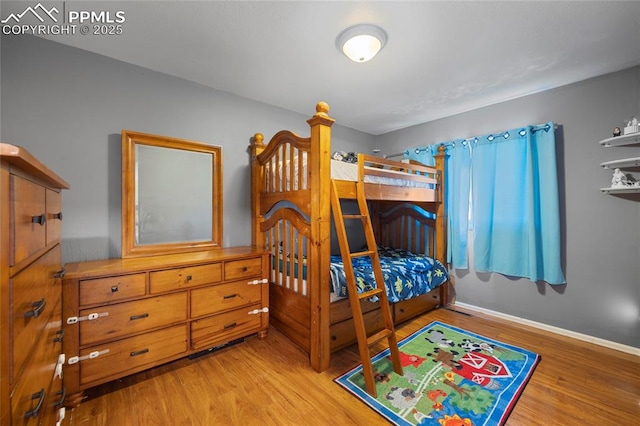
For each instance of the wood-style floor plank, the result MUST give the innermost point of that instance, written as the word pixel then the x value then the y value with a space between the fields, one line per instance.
pixel 269 382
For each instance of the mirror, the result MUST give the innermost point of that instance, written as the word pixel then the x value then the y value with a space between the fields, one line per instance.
pixel 171 195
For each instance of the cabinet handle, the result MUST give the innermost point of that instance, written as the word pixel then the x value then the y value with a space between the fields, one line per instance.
pixel 59 274
pixel 137 317
pixel 39 219
pixel 228 326
pixel 63 395
pixel 114 289
pixel 57 216
pixel 136 353
pixel 189 277
pixel 37 309
pixel 60 334
pixel 245 269
pixel 40 397
pixel 229 296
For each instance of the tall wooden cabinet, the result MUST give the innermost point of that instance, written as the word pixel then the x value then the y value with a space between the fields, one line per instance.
pixel 31 330
pixel 123 316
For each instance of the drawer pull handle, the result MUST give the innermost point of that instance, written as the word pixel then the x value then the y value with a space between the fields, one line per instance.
pixel 258 311
pixel 137 317
pixel 63 395
pixel 60 335
pixel 229 296
pixel 37 309
pixel 136 353
pixel 114 289
pixel 57 216
pixel 59 274
pixel 39 219
pixel 245 268
pixel 228 326
pixel 256 282
pixel 189 277
pixel 40 397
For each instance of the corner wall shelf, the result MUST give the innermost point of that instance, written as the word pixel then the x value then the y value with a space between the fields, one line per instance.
pixel 623 163
pixel 630 139
pixel 624 190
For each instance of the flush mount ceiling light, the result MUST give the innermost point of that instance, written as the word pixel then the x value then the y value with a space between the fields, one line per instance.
pixel 361 42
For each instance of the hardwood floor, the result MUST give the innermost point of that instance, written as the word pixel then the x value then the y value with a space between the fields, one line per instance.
pixel 269 382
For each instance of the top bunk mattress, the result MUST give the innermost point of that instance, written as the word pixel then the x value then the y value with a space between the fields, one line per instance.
pixel 340 170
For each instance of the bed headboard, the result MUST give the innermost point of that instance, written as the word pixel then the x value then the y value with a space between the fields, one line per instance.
pixel 406 226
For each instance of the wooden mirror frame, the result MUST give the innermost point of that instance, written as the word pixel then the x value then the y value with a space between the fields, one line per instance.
pixel 129 247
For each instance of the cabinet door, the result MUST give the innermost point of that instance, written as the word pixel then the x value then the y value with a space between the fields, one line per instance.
pixel 54 216
pixel 35 294
pixel 32 390
pixel 29 218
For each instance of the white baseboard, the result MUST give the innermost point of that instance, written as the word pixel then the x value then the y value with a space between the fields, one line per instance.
pixel 557 330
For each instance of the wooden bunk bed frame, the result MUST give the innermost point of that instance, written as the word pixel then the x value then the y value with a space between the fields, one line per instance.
pixel 291 218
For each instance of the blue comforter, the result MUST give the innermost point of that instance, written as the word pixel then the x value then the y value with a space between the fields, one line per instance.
pixel 406 275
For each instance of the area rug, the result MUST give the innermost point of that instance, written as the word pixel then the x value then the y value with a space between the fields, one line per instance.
pixel 452 377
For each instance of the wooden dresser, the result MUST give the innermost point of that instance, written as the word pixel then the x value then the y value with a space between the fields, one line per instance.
pixel 31 330
pixel 123 316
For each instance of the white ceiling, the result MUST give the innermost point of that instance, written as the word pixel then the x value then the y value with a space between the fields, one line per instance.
pixel 441 58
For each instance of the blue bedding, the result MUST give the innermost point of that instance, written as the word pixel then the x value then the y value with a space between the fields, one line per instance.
pixel 406 275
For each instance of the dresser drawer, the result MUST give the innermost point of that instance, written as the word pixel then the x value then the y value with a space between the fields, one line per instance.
pixel 35 294
pixel 179 278
pixel 224 297
pixel 36 382
pixel 211 331
pixel 28 202
pixel 243 268
pixel 54 216
pixel 343 333
pixel 128 355
pixel 53 403
pixel 406 309
pixel 111 289
pixel 132 317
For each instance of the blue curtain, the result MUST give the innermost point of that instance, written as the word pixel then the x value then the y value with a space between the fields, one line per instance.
pixel 458 168
pixel 424 154
pixel 457 183
pixel 515 204
pixel 513 209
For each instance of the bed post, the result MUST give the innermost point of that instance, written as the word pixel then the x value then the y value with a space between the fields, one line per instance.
pixel 441 223
pixel 320 250
pixel 257 146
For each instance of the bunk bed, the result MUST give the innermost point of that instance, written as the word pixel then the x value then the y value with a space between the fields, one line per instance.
pixel 291 218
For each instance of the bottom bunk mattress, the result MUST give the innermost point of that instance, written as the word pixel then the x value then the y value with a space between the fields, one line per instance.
pixel 406 274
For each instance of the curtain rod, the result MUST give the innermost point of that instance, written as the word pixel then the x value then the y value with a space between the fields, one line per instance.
pixel 490 137
pixel 397 154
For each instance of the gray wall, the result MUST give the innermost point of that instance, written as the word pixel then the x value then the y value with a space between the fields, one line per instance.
pixel 68 106
pixel 600 233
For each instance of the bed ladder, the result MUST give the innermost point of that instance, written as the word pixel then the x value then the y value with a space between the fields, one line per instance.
pixel 364 342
